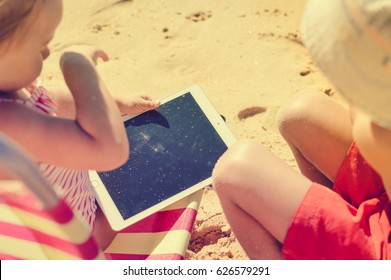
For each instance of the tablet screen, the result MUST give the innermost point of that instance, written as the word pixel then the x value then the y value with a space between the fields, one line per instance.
pixel 171 149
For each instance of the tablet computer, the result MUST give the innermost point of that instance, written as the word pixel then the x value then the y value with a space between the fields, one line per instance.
pixel 173 150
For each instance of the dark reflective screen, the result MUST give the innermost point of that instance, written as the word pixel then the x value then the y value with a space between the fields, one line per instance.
pixel 171 149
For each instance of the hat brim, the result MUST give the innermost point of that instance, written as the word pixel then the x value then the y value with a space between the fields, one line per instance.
pixel 348 57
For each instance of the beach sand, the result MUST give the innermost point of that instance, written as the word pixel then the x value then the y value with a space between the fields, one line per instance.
pixel 246 55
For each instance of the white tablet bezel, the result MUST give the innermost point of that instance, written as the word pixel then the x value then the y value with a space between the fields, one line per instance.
pixel 103 197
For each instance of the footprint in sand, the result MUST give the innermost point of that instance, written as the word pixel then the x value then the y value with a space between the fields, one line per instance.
pixel 305 72
pixel 294 37
pixel 199 16
pixel 275 12
pixel 250 112
pixel 329 92
pixel 99 28
pixel 207 236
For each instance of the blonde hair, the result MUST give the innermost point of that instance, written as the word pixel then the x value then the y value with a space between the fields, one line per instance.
pixel 13 14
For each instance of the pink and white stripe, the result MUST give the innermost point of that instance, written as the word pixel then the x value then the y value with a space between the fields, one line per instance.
pixel 27 232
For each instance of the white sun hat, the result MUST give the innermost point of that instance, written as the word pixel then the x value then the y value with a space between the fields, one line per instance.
pixel 350 41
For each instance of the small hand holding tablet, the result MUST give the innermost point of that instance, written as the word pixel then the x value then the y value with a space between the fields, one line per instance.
pixel 173 150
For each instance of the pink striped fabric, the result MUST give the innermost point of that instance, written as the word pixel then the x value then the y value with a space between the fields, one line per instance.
pixel 175 219
pixel 8 257
pixel 162 221
pixel 163 235
pixel 75 187
pixel 26 229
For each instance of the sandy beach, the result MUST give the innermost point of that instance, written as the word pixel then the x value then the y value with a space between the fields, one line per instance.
pixel 246 55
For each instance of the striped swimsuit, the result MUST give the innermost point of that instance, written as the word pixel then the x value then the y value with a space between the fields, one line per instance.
pixel 74 186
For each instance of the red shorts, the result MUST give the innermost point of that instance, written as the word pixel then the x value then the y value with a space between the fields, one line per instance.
pixel 352 221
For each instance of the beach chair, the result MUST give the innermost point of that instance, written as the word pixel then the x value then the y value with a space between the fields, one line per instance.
pixel 163 235
pixel 36 224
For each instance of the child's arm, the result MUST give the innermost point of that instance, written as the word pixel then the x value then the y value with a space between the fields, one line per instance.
pixel 94 139
pixel 97 114
pixel 63 97
pixel 128 105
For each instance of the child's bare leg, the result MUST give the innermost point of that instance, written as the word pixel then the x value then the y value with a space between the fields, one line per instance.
pixel 103 233
pixel 318 131
pixel 259 194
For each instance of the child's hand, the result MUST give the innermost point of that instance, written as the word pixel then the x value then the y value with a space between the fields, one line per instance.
pixel 137 104
pixel 91 53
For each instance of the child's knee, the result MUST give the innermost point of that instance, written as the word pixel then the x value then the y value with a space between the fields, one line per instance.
pixel 296 112
pixel 230 168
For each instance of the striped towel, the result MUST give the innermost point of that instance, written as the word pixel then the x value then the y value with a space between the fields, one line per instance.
pixel 163 235
pixel 28 232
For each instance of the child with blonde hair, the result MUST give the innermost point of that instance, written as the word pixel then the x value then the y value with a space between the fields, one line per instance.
pixel 89 133
pixel 338 207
